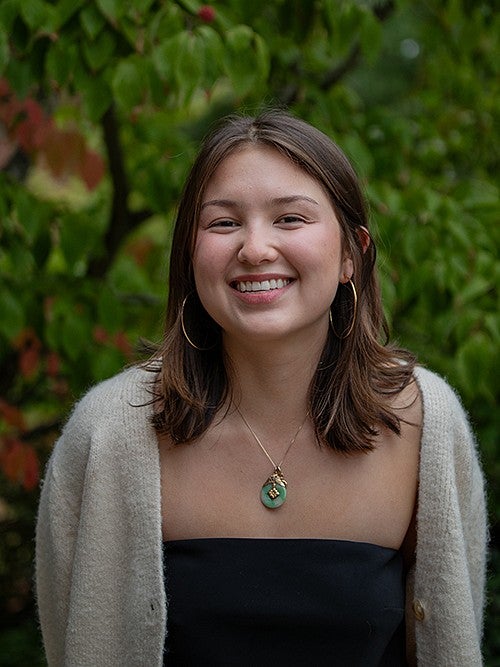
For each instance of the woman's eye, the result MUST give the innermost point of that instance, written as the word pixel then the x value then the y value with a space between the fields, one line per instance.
pixel 290 220
pixel 223 224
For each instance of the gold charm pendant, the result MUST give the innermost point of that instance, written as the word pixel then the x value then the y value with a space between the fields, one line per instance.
pixel 273 492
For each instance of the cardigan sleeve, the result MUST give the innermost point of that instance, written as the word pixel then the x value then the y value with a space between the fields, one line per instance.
pixel 57 534
pixel 473 512
pixel 99 570
pixel 448 595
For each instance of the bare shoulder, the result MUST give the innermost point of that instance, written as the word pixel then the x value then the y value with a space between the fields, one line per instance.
pixel 407 405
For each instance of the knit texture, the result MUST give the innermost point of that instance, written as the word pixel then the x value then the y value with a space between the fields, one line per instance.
pixel 99 568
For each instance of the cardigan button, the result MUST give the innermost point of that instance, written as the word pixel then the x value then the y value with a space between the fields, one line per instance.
pixel 418 610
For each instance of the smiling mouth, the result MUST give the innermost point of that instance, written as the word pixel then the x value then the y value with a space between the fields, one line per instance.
pixel 260 286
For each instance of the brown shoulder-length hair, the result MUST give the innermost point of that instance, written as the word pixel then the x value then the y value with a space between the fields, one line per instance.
pixel 350 393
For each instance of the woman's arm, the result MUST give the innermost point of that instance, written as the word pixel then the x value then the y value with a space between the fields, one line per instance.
pixel 56 534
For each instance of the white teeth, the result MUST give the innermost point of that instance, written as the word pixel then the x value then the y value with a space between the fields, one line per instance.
pixel 264 286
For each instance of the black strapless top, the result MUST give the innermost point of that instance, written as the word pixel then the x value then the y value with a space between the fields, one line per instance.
pixel 250 602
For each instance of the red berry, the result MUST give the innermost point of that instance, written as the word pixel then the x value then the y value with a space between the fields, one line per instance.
pixel 206 13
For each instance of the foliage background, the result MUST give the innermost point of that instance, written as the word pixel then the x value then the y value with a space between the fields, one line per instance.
pixel 102 104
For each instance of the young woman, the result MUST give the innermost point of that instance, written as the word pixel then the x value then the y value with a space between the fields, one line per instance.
pixel 276 484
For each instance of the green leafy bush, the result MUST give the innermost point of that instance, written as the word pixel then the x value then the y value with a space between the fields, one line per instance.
pixel 102 104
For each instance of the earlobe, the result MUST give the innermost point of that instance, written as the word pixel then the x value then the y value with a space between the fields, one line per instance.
pixel 347 270
pixel 364 237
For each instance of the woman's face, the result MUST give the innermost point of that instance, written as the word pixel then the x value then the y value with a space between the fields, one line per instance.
pixel 268 255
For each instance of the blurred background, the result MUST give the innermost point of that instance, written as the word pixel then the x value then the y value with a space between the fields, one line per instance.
pixel 102 106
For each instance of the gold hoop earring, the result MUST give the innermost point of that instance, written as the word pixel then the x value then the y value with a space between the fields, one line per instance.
pixel 183 327
pixel 355 307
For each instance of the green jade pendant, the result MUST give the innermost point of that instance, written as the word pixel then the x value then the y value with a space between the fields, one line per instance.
pixel 273 492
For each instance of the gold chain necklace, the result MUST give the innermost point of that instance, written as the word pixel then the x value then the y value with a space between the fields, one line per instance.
pixel 273 492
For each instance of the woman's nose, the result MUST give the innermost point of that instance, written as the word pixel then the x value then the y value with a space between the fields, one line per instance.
pixel 257 247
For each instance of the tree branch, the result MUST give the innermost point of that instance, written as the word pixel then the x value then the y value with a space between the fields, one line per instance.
pixel 43 429
pixel 381 11
pixel 340 70
pixel 122 221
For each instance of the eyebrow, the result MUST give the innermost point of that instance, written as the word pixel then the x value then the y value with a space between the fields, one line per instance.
pixel 230 203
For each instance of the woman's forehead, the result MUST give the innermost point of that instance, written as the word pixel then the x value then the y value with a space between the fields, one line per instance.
pixel 258 163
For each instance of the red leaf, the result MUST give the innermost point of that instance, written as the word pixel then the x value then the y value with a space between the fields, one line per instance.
pixel 32 127
pixel 91 169
pixel 34 111
pixel 29 346
pixel 19 463
pixel 42 134
pixel 48 307
pixel 11 110
pixel 31 469
pixel 100 335
pixel 4 88
pixel 140 250
pixel 63 151
pixel 28 361
pixel 122 343
pixel 13 416
pixel 52 364
pixel 24 135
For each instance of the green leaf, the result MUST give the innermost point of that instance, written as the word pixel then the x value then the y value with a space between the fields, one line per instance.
pixel 479 194
pixel 178 61
pixel 492 323
pixel 92 21
pixel 21 258
pixel 8 11
pixel 473 363
pixel 211 50
pixel 128 84
pixel 331 8
pixel 262 57
pixel 370 36
pixel 34 13
pixel 113 10
pixel 347 25
pixel 109 310
pixel 188 66
pixel 190 6
pixel 42 247
pixel 12 321
pixel 97 97
pixel 33 215
pixel 4 51
pixel 75 332
pixel 166 22
pixel 64 10
pixel 141 6
pixel 476 287
pixel 164 56
pixel 61 61
pixel 359 154
pixel 245 59
pixel 79 234
pixel 98 52
pixel 105 362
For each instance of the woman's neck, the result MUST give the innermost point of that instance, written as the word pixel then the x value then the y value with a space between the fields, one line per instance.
pixel 271 383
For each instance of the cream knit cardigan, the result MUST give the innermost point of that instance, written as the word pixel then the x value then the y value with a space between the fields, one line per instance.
pixel 99 570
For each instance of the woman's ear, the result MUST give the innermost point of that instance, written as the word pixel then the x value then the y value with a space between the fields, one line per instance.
pixel 364 237
pixel 347 270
